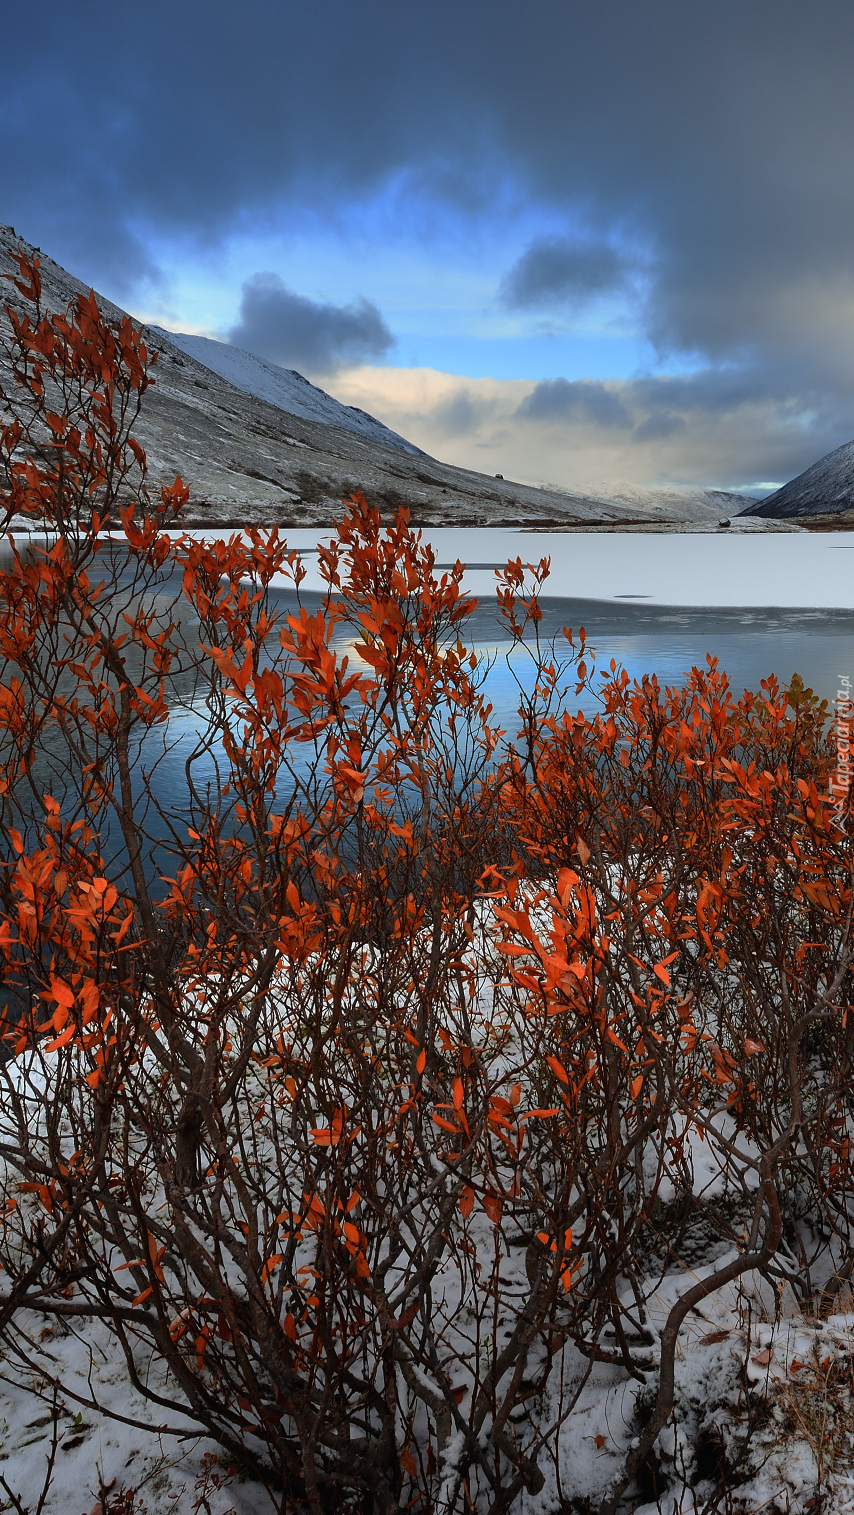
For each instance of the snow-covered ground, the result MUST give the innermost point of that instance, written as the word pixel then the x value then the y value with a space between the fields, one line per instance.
pixel 774 1393
pixel 162 1460
pixel 283 387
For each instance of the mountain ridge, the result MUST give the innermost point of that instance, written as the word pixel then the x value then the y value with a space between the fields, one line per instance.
pixel 826 488
pixel 248 460
pixel 285 388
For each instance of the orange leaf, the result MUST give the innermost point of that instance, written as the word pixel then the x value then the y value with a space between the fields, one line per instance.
pixel 60 992
pixel 559 1069
pixel 446 1124
pixel 494 1207
pixel 613 1037
pixel 61 1041
pixel 466 1203
pixel 325 1136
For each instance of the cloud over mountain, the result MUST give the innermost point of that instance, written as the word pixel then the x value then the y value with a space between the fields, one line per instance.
pixel 708 427
pixel 295 332
pixel 703 151
pixel 582 400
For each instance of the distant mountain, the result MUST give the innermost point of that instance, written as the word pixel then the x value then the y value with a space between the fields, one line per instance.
pixel 284 388
pixel 825 489
pixel 686 502
pixel 259 444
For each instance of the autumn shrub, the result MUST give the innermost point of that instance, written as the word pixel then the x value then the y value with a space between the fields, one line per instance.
pixel 360 1058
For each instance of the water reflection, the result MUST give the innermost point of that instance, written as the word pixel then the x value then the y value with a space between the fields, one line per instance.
pixel 750 642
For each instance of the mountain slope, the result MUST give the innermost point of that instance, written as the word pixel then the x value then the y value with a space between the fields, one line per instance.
pixel 284 388
pixel 688 502
pixel 825 489
pixel 249 460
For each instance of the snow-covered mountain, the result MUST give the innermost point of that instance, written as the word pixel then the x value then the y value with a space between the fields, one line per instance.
pixel 687 502
pixel 826 488
pixel 284 388
pixel 259 444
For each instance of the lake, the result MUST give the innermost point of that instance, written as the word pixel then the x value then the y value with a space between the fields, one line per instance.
pixel 659 603
pixel 761 603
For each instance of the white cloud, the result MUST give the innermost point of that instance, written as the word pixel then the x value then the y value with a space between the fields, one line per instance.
pixel 713 428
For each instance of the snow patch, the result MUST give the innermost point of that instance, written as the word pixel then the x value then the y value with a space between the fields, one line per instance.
pixel 284 388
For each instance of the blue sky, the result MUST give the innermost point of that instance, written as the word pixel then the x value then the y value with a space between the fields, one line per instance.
pixel 583 242
pixel 435 277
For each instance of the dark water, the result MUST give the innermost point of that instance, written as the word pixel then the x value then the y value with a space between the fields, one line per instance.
pixel 750 644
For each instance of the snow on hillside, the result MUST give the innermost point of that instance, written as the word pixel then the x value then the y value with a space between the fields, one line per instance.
pixel 283 387
pixel 825 488
pixel 691 501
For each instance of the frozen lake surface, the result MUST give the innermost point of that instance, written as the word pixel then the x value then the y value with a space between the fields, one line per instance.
pixel 761 604
pixel 660 603
pixel 696 569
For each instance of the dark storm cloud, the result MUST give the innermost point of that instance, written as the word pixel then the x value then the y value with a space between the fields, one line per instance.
pixel 556 271
pixel 299 333
pixel 584 401
pixel 715 138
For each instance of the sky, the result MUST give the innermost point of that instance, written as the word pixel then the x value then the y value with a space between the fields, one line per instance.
pixel 570 241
